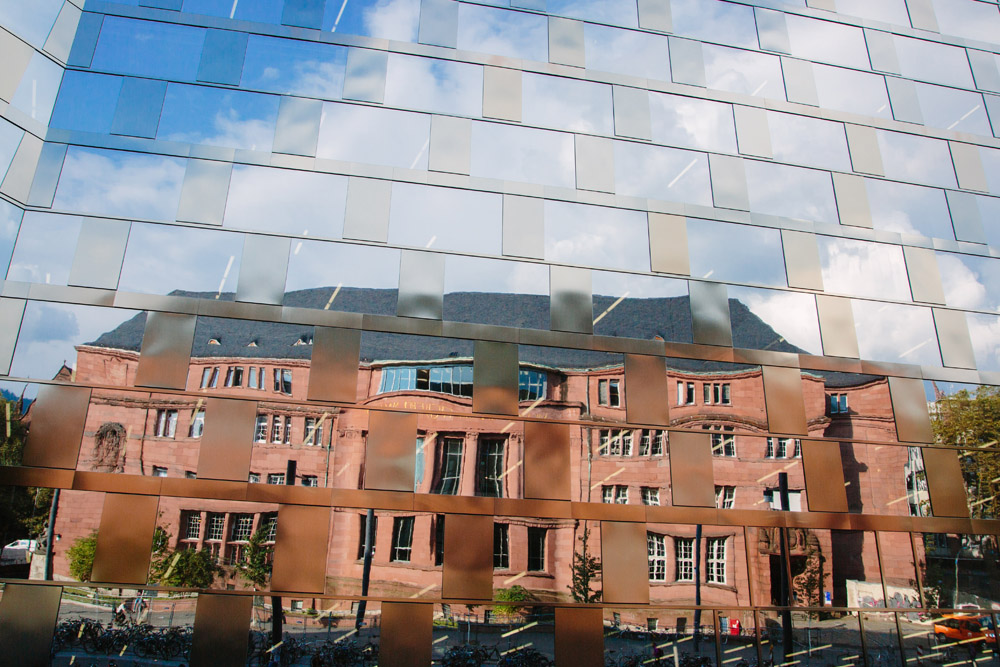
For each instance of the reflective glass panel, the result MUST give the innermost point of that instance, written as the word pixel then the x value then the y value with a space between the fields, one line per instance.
pixel 792 192
pixel 614 12
pixel 933 62
pixel 10 220
pixel 971 20
pixel 490 291
pixel 294 67
pixel 202 115
pixel 260 11
pixel 86 102
pixel 852 91
pixel 827 42
pixel 714 21
pixel 969 281
pixel 426 84
pixel 45 248
pixel 985 333
pixel 951 109
pixel 10 138
pixel 596 236
pixel 662 173
pixel 501 32
pixel 896 333
pixel 439 218
pixel 523 154
pixel 397 20
pixel 908 209
pixel 37 92
pixel 634 306
pixel 989 208
pixel 808 141
pixel 887 11
pixel 31 22
pixel 908 157
pixel 567 104
pixel 735 253
pixel 120 184
pixel 954 570
pixel 766 319
pixel 688 122
pixel 286 201
pixel 628 52
pixel 745 72
pixel 163 260
pixel 149 48
pixel 335 276
pixel 370 135
pixel 861 268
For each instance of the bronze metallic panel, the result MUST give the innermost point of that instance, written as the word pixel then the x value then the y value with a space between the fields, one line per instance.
pixel 646 390
pixel 468 557
pixel 58 416
pixel 579 637
pixel 125 539
pixel 691 478
pixel 702 515
pixel 824 472
pixel 406 635
pixel 836 326
pixel 437 503
pixel 228 439
pixel 495 378
pixel 166 351
pixel 287 494
pixel 552 509
pixel 391 451
pixel 333 373
pixel 597 511
pixel 945 483
pixel 116 483
pixel 710 313
pixel 786 409
pixel 546 461
pixel 909 404
pixel 202 488
pixel 27 622
pixel 221 627
pixel 624 562
pixel 300 549
pixel 387 500
pixel 52 478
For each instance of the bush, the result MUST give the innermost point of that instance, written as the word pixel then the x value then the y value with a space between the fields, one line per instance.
pixel 81 557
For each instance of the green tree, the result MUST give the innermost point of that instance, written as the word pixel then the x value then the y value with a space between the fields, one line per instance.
pixel 81 557
pixel 515 593
pixel 972 421
pixel 586 569
pixel 256 564
pixel 187 568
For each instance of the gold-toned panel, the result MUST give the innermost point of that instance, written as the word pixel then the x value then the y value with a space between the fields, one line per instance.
pixel 58 417
pixel 944 482
pixel 166 350
pixel 333 373
pixel 824 473
pixel 227 442
pixel 546 461
pixel 646 389
pixel 300 549
pixel 494 377
pixel 27 621
pixel 407 630
pixel 625 568
pixel 579 639
pixel 668 244
pixel 836 326
pixel 48 477
pixel 468 557
pixel 116 483
pixel 786 410
pixel 390 451
pixel 221 626
pixel 909 405
pixel 691 477
pixel 125 539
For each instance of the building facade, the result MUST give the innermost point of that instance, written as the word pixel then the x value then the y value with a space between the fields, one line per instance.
pixel 638 330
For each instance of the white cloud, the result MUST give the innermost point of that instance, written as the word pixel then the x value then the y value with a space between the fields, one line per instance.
pixel 860 268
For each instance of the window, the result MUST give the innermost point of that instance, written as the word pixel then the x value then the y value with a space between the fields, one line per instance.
pixel 234 376
pixel 192 528
pixel 536 549
pixel 715 572
pixel 216 527
pixel 439 539
pixel 656 549
pixel 644 443
pixel 450 455
pixel 531 385
pixel 269 524
pixel 283 380
pixel 724 443
pixel 197 423
pixel 615 493
pixel 608 393
pixel 260 430
pixel 685 393
pixel 314 431
pixel 166 424
pixel 242 527
pixel 615 443
pixel 455 380
pixel 651 443
pixel 310 480
pixel 783 448
pixel 276 478
pixel 402 539
pixel 210 377
pixel 717 393
pixel 254 478
pixel 252 381
pixel 501 547
pixel 658 437
pixel 684 556
pixel 159 471
pixel 626 443
pixel 489 468
pixel 725 496
pixel 190 474
pixel 838 404
pixel 278 428
pixel 361 535
pixel 650 495
pixel 773 497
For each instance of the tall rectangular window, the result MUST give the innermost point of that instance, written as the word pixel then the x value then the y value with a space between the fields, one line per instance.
pixel 684 558
pixel 609 393
pixel 283 380
pixel 234 376
pixel 402 539
pixel 657 445
pixel 361 534
pixel 650 495
pixel 715 570
pixel 192 528
pixel 656 549
pixel 314 431
pixel 725 497
pixel 206 375
pixel 489 468
pixel 450 462
pixel 242 527
pixel 724 443
pixel 197 424
pixel 216 527
pixel 277 429
pixel 260 429
pixel 644 440
pixel 439 539
pixel 501 546
pixel 166 424
pixel 536 548
pixel 252 381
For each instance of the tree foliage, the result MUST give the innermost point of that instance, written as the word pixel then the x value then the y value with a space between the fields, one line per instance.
pixel 586 570
pixel 81 557
pixel 187 568
pixel 256 564
pixel 515 593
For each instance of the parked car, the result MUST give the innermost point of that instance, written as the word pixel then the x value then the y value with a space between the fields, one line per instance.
pixel 17 552
pixel 952 628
